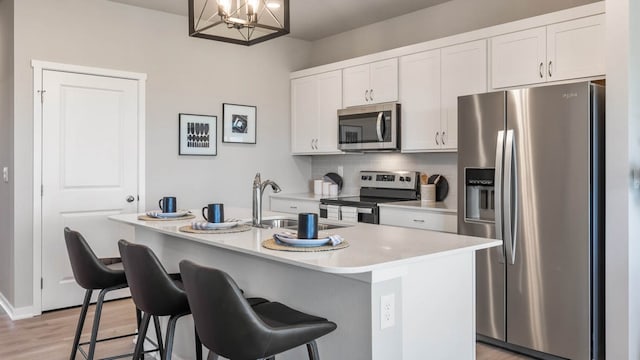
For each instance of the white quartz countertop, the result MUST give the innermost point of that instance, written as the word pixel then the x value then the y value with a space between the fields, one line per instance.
pixel 372 247
pixel 421 205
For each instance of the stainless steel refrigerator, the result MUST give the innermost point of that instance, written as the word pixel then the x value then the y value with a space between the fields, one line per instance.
pixel 531 173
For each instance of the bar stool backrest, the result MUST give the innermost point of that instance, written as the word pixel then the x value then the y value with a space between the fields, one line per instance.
pixel 224 320
pixel 152 289
pixel 88 270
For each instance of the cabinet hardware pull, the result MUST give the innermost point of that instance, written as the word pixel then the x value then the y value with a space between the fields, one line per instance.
pixel 418 220
pixel 371 94
pixel 541 70
pixel 443 137
pixel 366 95
pixel 437 142
pixel 293 207
pixel 550 63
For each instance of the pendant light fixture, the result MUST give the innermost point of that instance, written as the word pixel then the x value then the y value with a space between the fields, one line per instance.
pixel 244 22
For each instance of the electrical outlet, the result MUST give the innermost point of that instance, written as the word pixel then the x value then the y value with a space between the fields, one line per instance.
pixel 341 170
pixel 5 174
pixel 387 311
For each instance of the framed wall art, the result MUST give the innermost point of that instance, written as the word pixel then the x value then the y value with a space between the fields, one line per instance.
pixel 198 134
pixel 239 124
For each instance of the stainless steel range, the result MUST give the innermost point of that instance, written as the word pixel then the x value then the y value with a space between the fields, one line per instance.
pixel 375 187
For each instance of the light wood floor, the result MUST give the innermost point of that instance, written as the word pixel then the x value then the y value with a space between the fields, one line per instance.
pixel 50 336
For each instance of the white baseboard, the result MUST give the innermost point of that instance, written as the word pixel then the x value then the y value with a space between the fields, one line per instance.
pixel 16 313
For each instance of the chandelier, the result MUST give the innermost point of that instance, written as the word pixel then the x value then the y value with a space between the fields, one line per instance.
pixel 244 22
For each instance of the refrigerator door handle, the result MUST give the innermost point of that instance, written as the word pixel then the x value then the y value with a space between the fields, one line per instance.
pixel 498 193
pixel 510 198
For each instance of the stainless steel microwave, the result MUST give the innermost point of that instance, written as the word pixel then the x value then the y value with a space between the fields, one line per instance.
pixel 369 128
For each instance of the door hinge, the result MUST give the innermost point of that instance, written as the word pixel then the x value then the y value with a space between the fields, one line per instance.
pixel 41 283
pixel 41 92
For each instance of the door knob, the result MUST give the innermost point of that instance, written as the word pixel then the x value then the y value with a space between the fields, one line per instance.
pixel 130 199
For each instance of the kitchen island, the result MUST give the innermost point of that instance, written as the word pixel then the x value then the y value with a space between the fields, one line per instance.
pixel 424 279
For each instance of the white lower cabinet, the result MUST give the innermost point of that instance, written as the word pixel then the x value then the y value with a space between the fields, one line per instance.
pixel 295 206
pixel 419 219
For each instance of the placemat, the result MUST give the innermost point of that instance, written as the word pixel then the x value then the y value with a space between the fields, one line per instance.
pixel 149 218
pixel 271 244
pixel 235 229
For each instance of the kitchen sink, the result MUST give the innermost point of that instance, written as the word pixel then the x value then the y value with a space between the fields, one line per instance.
pixel 292 224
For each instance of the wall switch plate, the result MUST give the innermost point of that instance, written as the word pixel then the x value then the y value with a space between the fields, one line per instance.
pixel 387 311
pixel 5 174
pixel 341 170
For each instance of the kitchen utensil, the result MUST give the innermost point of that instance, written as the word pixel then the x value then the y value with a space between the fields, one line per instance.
pixel 335 179
pixel 442 186
pixel 424 178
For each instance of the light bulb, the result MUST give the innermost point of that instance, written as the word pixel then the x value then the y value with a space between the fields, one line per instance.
pixel 252 7
pixel 224 6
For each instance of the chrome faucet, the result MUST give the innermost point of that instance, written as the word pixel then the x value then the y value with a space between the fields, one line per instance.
pixel 258 190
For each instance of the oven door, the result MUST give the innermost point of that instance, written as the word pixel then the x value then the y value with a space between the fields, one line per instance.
pixel 373 127
pixel 367 215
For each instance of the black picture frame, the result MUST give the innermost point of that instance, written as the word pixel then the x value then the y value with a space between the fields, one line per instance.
pixel 197 135
pixel 239 123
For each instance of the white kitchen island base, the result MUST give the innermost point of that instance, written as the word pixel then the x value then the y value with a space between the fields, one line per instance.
pixel 432 297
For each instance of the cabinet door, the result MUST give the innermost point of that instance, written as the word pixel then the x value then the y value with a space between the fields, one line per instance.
pixel 294 206
pixel 329 101
pixel 356 85
pixel 576 48
pixel 304 114
pixel 420 98
pixel 384 81
pixel 519 58
pixel 464 72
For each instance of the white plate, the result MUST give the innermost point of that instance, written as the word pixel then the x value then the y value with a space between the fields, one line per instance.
pixel 176 214
pixel 304 242
pixel 224 225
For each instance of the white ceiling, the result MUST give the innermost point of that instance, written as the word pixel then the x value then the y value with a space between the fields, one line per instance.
pixel 317 19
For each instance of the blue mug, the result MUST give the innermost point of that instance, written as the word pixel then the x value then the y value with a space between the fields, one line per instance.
pixel 307 226
pixel 215 213
pixel 168 204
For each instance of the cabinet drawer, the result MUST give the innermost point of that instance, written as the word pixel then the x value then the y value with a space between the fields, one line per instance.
pixel 294 206
pixel 418 219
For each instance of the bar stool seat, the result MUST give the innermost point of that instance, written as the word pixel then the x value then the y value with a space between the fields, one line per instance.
pixel 229 326
pixel 93 273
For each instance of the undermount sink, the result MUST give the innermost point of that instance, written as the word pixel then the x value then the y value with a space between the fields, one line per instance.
pixel 292 224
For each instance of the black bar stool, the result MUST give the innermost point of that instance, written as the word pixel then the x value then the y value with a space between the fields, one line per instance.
pixel 156 293
pixel 93 273
pixel 229 326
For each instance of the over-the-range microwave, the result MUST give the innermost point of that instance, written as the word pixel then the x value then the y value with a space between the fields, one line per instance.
pixel 369 128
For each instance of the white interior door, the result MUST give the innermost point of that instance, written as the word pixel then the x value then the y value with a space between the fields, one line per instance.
pixel 89 171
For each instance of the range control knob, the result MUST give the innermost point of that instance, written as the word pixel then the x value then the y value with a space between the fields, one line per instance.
pixel 401 179
pixel 363 177
pixel 408 178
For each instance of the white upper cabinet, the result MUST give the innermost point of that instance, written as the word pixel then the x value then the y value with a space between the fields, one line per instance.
pixel 567 50
pixel 463 72
pixel 519 58
pixel 419 96
pixel 371 83
pixel 315 101
pixel 576 48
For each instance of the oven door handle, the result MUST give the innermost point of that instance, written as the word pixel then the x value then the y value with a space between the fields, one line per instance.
pixel 360 210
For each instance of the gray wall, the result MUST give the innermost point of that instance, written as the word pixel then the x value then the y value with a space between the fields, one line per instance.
pixel 449 18
pixel 184 75
pixel 6 114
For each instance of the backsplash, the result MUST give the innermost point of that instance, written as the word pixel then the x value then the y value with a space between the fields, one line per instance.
pixel 430 163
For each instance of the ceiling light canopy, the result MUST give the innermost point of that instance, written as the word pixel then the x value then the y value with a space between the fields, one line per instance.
pixel 244 22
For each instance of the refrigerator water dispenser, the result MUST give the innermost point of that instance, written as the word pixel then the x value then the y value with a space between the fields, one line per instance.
pixel 479 194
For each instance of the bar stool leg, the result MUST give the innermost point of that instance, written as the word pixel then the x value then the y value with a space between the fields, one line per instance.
pixel 198 344
pixel 156 324
pixel 142 332
pixel 312 349
pixel 83 316
pixel 96 324
pixel 171 330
